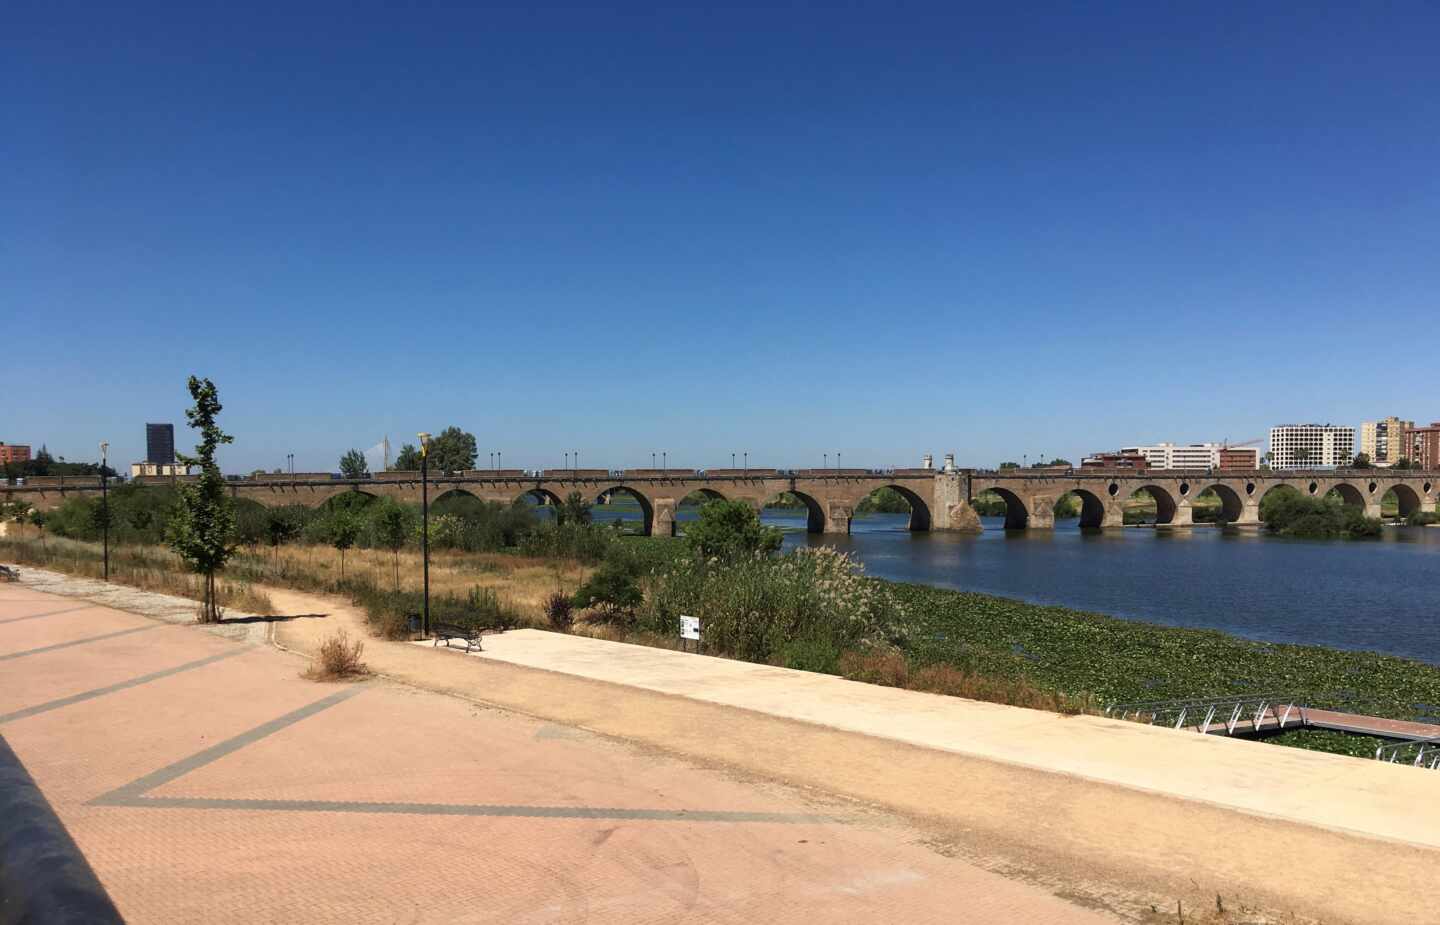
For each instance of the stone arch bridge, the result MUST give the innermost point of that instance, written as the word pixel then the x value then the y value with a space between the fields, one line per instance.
pixel 938 500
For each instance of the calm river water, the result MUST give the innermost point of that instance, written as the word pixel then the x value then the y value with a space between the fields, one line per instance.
pixel 1382 594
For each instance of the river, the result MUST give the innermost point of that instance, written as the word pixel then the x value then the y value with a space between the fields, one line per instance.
pixel 1381 595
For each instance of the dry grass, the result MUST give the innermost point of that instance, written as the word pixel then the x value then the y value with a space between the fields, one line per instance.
pixel 521 581
pixel 149 568
pixel 338 660
pixel 891 669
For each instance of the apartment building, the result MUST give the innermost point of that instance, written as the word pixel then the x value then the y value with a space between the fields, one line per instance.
pixel 14 453
pixel 1383 441
pixel 1311 446
pixel 1178 456
pixel 1423 445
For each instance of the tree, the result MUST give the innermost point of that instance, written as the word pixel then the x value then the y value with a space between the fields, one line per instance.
pixel 614 588
pixel 280 527
pixel 352 465
pixel 453 450
pixel 344 531
pixel 1361 461
pixel 391 529
pixel 407 460
pixel 574 510
pixel 37 519
pixel 202 529
pixel 1009 465
pixel 728 530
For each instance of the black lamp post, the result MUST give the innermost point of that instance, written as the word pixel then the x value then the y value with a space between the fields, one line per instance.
pixel 747 462
pixel 425 528
pixel 664 461
pixel 105 504
pixel 732 460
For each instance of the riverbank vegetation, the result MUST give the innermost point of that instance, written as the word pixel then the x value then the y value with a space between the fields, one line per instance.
pixel 1289 513
pixel 811 609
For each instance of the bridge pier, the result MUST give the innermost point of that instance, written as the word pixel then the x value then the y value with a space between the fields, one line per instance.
pixel 949 509
pixel 1249 515
pixel 1042 513
pixel 1372 509
pixel 662 521
pixel 1114 516
pixel 837 518
pixel 1184 515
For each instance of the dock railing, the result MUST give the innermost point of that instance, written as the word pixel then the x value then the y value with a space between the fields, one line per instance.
pixel 1248 713
pixel 1420 753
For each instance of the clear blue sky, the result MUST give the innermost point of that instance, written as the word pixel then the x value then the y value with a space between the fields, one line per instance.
pixel 883 229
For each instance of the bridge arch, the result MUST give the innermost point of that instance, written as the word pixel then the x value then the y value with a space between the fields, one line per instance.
pixel 1092 509
pixel 1232 506
pixel 1165 504
pixel 1407 499
pixel 539 496
pixel 452 496
pixel 344 499
pixel 703 496
pixel 647 507
pixel 919 510
pixel 1017 512
pixel 814 512
pixel 1349 494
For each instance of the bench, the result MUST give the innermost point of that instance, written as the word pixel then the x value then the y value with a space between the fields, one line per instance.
pixel 470 635
pixel 8 574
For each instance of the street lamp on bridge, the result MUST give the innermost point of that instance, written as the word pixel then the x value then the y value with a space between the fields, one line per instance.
pixel 425 527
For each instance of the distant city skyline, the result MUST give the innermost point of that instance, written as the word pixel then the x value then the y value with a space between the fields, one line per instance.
pixel 884 232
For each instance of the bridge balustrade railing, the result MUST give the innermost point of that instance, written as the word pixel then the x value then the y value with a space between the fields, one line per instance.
pixel 1420 753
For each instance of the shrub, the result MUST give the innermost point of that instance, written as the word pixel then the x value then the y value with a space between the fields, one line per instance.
pixel 752 608
pixel 339 659
pixel 560 611
pixel 727 530
pixel 1422 518
pixel 613 589
pixel 818 655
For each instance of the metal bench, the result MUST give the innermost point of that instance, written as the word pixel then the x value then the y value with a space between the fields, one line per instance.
pixel 470 635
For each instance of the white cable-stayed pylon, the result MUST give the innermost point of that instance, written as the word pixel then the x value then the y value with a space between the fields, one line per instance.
pixel 377 458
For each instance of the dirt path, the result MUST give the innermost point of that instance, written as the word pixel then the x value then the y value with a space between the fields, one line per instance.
pixel 1132 853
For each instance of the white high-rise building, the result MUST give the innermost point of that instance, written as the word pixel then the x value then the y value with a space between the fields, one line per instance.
pixel 1311 446
pixel 1172 456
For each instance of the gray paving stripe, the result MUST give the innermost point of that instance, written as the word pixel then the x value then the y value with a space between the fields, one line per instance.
pixel 465 809
pixel 48 613
pixel 119 686
pixel 134 793
pixel 81 642
pixel 165 775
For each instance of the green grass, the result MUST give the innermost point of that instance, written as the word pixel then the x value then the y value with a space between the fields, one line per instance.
pixel 1079 653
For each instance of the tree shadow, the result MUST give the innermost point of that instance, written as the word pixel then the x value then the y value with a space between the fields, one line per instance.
pixel 274 618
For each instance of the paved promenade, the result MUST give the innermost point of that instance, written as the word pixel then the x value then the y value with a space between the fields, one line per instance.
pixel 207 782
pixel 1368 798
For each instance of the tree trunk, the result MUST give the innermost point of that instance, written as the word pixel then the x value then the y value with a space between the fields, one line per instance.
pixel 397 569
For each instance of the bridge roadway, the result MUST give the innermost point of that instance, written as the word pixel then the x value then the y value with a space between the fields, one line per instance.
pixel 938 500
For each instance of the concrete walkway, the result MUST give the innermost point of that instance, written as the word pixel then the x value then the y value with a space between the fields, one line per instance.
pixel 1360 797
